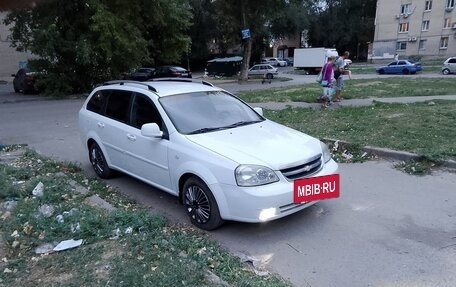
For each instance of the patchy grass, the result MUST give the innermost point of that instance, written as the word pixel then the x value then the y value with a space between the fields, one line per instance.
pixel 424 129
pixel 359 89
pixel 126 247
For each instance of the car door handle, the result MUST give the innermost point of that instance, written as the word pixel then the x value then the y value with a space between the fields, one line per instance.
pixel 101 125
pixel 131 137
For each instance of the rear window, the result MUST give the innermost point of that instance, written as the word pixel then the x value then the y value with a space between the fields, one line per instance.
pixel 178 69
pixel 145 70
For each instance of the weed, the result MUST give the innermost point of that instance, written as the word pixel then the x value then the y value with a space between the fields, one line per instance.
pixel 420 128
pixel 417 167
pixel 127 247
pixel 359 89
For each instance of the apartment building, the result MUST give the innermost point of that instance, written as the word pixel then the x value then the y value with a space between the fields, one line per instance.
pixel 414 27
pixel 10 59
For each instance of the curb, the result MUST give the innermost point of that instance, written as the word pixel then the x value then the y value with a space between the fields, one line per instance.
pixel 394 154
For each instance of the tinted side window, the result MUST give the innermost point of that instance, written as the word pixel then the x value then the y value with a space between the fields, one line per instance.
pixel 402 63
pixel 452 61
pixel 97 102
pixel 118 103
pixel 143 111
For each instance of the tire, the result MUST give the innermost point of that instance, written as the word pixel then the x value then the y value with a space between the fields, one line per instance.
pixel 405 71
pixel 446 71
pixel 200 204
pixel 381 71
pixel 98 161
pixel 16 89
pixel 269 76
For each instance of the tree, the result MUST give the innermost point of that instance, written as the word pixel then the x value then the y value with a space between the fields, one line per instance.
pixel 7 5
pixel 345 25
pixel 84 42
pixel 164 24
pixel 202 31
pixel 265 19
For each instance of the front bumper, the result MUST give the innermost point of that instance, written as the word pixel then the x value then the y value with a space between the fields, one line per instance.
pixel 262 203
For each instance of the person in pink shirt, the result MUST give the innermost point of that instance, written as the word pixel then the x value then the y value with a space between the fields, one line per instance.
pixel 327 81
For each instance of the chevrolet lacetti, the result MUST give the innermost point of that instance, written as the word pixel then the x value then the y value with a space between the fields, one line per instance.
pixel 222 158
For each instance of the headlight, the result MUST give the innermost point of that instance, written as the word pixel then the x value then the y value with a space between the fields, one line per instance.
pixel 254 175
pixel 325 151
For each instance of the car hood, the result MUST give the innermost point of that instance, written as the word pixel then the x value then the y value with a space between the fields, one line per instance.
pixel 266 143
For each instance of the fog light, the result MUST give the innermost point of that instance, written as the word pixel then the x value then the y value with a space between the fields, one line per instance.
pixel 267 214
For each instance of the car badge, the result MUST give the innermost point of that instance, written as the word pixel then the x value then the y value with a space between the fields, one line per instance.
pixel 307 168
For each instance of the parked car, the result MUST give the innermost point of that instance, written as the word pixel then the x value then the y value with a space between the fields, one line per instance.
pixel 449 66
pixel 400 67
pixel 222 158
pixel 141 74
pixel 264 70
pixel 289 61
pixel 25 81
pixel 276 62
pixel 171 72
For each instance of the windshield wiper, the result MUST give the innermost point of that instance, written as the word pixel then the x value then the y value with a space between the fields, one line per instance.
pixel 237 124
pixel 241 123
pixel 205 130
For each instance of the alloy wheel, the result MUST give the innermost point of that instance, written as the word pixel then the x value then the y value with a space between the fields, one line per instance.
pixel 197 204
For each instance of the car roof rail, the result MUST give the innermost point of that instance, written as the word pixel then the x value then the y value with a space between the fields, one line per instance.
pixel 186 80
pixel 123 82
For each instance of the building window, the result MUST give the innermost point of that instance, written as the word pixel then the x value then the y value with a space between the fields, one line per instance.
pixel 403 27
pixel 444 43
pixel 447 23
pixel 428 5
pixel 401 45
pixel 422 45
pixel 425 25
pixel 450 4
pixel 405 8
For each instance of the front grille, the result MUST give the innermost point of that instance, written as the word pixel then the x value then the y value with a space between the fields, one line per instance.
pixel 303 170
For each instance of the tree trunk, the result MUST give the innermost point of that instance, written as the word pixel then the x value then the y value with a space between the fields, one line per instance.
pixel 247 47
pixel 246 60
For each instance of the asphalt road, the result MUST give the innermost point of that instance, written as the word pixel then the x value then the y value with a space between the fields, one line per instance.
pixel 386 229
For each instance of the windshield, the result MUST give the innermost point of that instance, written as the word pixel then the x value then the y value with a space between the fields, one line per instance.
pixel 201 112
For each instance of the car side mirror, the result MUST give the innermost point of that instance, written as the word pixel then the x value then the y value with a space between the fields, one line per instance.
pixel 151 130
pixel 258 110
pixel 13 75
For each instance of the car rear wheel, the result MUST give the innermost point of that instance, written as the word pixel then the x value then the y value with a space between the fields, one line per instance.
pixel 405 71
pixel 98 161
pixel 200 204
pixel 445 71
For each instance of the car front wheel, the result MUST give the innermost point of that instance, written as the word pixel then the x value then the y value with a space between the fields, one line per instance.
pixel 269 76
pixel 98 161
pixel 445 71
pixel 381 71
pixel 200 204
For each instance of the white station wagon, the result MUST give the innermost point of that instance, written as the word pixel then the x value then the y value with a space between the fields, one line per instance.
pixel 221 157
